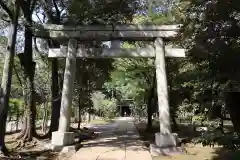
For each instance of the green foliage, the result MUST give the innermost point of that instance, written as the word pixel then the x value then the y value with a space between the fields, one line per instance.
pixel 230 140
pixel 214 45
pixel 100 12
pixel 16 107
pixel 210 33
pixel 3 41
pixel 42 110
pixel 132 79
pixel 104 106
pixel 198 119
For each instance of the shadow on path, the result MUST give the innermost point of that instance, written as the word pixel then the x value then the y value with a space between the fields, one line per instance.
pixel 118 140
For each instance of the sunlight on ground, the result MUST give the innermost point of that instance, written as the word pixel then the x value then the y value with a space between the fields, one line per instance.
pixel 100 121
pixel 198 152
pixel 195 153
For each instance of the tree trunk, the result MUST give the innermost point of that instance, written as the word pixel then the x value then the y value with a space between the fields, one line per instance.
pixel 150 103
pixel 28 65
pixel 7 79
pixel 79 112
pixel 175 125
pixel 45 118
pixel 17 119
pixel 173 109
pixel 9 117
pixel 149 111
pixel 24 119
pixel 232 104
pixel 56 83
pixel 56 99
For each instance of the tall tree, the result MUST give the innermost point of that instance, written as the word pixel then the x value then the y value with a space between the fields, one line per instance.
pixel 7 70
pixel 28 65
pixel 54 16
pixel 211 35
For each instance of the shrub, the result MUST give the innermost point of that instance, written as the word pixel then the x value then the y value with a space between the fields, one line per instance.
pixel 104 106
pixel 230 140
pixel 16 108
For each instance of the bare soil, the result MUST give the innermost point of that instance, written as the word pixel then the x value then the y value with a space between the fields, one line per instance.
pixel 194 152
pixel 34 149
pixel 198 152
pixel 30 150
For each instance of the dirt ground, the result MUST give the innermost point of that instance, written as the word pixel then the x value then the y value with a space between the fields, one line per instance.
pixel 194 152
pixel 32 150
pixel 35 149
pixel 197 152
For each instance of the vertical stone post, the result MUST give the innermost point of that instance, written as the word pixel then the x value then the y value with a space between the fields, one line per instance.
pixel 116 44
pixel 68 84
pixel 164 138
pixel 162 88
pixel 63 137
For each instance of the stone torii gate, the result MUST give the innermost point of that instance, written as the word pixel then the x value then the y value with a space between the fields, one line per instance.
pixel 74 36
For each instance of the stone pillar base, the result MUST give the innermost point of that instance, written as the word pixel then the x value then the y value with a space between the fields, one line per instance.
pixel 168 151
pixel 63 149
pixel 166 140
pixel 63 138
pixel 166 144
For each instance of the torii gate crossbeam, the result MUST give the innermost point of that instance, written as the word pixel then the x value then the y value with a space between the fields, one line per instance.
pixel 75 35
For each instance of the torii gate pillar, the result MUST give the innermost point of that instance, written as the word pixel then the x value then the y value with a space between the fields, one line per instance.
pixel 63 137
pixel 165 138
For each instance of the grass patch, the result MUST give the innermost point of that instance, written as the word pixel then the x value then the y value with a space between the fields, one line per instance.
pixel 101 121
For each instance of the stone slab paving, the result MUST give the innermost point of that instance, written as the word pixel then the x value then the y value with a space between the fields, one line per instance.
pixel 117 141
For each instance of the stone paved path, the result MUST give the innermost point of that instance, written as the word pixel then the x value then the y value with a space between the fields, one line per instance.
pixel 117 141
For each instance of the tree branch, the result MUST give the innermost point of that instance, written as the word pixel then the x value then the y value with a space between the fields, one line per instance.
pixel 39 18
pixel 17 75
pixel 6 9
pixel 5 20
pixel 24 6
pixel 64 6
pixel 35 44
pixel 57 9
pixel 33 5
pixel 47 10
